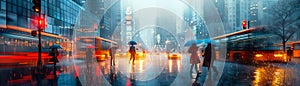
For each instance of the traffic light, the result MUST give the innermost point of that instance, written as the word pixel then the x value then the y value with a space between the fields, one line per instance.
pixel 244 24
pixel 34 33
pixel 42 24
pixel 36 6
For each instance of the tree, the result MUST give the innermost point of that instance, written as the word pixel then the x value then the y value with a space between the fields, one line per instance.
pixel 285 15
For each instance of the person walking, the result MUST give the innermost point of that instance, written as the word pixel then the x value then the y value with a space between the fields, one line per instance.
pixel 112 52
pixel 209 57
pixel 194 59
pixel 132 53
pixel 54 54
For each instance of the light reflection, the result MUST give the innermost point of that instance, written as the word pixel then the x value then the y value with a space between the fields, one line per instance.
pixel 178 65
pixel 272 76
pixel 141 65
pixel 130 69
pixel 170 65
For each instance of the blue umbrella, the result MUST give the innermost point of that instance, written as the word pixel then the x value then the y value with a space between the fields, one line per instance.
pixel 55 46
pixel 132 43
pixel 213 42
pixel 190 42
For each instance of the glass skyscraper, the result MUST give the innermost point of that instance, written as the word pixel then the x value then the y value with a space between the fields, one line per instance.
pixel 17 19
pixel 61 14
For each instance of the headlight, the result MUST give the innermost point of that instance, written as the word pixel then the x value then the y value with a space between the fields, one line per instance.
pixel 258 55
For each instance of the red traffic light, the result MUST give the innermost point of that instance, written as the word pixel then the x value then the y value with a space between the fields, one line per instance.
pixel 244 24
pixel 39 21
pixel 42 23
pixel 36 6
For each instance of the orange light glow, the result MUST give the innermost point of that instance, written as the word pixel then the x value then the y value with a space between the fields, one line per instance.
pixel 170 65
pixel 37 10
pixel 258 55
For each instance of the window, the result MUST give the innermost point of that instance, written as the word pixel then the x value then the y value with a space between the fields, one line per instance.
pixel 14 9
pixel 8 6
pixel 3 5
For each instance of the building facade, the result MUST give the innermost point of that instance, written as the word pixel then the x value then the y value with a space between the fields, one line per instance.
pixel 61 16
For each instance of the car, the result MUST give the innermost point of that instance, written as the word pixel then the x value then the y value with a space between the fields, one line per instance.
pixel 173 54
pixel 140 54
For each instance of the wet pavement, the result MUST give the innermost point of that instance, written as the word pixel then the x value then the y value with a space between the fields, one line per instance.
pixel 153 70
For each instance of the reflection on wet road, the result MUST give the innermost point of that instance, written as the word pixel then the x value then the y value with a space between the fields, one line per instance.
pixel 267 74
pixel 154 70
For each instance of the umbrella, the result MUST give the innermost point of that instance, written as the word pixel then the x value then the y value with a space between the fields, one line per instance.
pixel 132 43
pixel 208 41
pixel 190 42
pixel 55 46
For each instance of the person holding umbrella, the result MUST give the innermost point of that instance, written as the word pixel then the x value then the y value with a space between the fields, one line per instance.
pixel 132 51
pixel 194 60
pixel 54 52
pixel 209 57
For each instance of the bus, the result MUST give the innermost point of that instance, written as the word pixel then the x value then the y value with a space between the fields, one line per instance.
pixel 294 47
pixel 252 45
pixel 16 40
pixel 100 45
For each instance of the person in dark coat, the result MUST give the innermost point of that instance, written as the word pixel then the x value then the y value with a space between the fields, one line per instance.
pixel 112 51
pixel 54 54
pixel 290 53
pixel 209 57
pixel 132 52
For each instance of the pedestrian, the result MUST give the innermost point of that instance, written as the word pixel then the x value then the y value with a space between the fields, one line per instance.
pixel 209 57
pixel 290 54
pixel 112 52
pixel 194 59
pixel 54 53
pixel 89 54
pixel 132 52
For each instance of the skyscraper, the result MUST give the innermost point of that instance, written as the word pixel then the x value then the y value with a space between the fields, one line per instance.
pixel 61 16
pixel 237 11
pixel 111 19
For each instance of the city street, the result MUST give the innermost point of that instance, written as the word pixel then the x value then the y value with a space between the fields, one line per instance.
pixel 149 43
pixel 153 70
